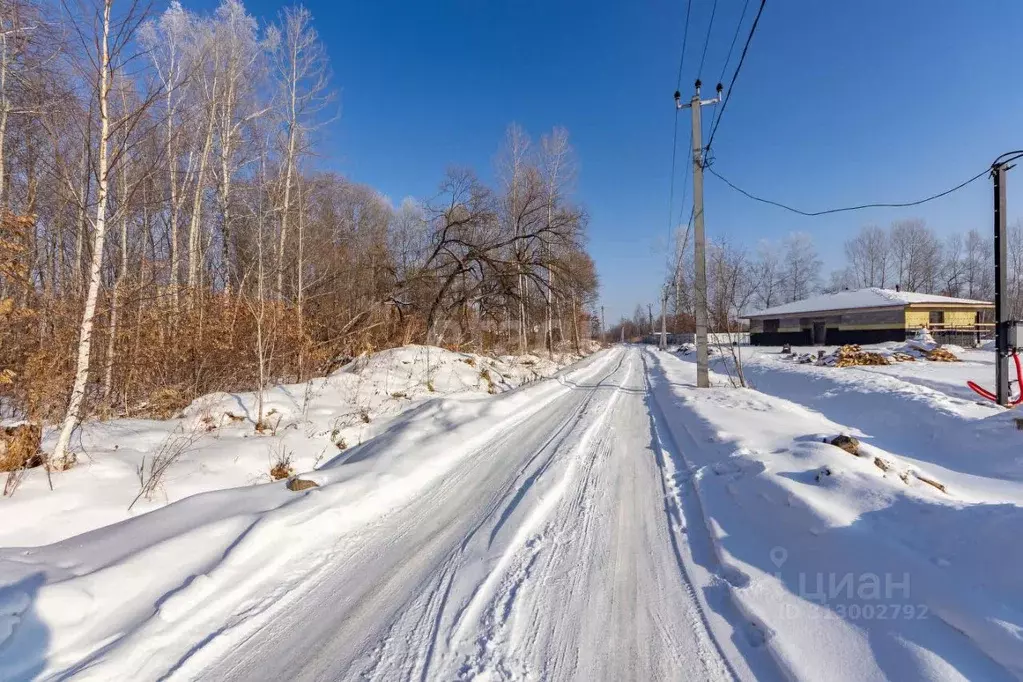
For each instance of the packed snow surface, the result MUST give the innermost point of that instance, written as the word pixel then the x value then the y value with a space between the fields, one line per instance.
pixel 612 522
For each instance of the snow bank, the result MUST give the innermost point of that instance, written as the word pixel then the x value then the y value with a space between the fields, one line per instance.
pixel 217 446
pixel 120 602
pixel 861 572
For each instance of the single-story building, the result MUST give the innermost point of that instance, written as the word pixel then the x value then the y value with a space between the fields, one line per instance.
pixel 870 316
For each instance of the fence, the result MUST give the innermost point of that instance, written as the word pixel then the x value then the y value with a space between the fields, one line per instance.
pixel 713 338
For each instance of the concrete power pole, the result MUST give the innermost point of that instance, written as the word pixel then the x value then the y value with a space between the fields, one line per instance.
pixel 650 317
pixel 663 345
pixel 699 241
pixel 602 327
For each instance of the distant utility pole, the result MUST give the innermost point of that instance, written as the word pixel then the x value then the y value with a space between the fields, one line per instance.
pixel 650 317
pixel 602 327
pixel 663 344
pixel 700 242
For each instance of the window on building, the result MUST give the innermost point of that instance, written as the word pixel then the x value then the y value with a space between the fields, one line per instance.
pixel 771 326
pixel 937 317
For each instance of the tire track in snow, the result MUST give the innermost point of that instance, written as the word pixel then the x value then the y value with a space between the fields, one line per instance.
pixel 590 596
pixel 531 531
pixel 362 599
pixel 499 507
pixel 545 554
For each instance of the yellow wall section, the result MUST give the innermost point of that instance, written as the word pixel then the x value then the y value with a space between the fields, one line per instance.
pixel 917 318
pixel 960 318
pixel 953 318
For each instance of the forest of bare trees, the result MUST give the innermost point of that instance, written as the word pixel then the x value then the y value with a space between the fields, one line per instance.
pixel 907 254
pixel 165 232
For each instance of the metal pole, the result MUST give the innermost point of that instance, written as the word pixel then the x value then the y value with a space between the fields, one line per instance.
pixel 700 248
pixel 1002 356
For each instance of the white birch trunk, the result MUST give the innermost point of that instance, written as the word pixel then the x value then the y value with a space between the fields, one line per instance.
pixel 290 165
pixel 195 223
pixel 5 108
pixel 172 171
pixel 77 399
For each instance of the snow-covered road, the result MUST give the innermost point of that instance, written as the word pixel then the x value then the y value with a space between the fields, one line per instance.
pixel 550 554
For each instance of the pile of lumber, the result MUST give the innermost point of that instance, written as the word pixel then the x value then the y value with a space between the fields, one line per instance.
pixel 940 355
pixel 850 355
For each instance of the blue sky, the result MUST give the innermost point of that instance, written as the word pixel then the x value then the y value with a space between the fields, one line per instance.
pixel 838 103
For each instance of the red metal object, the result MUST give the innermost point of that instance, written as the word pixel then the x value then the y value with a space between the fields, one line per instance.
pixel 983 392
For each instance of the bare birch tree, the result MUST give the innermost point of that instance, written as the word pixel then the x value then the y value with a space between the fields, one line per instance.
pixel 301 69
pixel 111 40
pixel 556 164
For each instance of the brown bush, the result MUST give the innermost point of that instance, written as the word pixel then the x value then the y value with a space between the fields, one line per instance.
pixel 19 447
pixel 164 403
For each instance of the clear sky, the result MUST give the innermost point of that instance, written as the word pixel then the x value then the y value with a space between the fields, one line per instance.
pixel 838 103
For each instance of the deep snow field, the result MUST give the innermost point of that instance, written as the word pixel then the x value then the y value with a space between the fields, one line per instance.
pixel 315 422
pixel 797 517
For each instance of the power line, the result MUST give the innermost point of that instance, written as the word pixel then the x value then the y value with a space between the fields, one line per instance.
pixel 685 37
pixel 735 37
pixel 706 43
pixel 674 135
pixel 731 48
pixel 843 209
pixel 731 85
pixel 671 191
pixel 682 206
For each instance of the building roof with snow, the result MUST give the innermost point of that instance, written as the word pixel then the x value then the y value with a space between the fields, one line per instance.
pixel 864 299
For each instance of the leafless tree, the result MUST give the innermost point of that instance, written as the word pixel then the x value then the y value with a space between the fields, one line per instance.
pixel 301 70
pixel 768 275
pixel 801 267
pixel 111 42
pixel 868 255
pixel 916 253
pixel 978 266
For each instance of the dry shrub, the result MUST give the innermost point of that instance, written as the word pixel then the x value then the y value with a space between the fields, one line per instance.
pixel 281 462
pixel 153 468
pixel 164 403
pixel 19 447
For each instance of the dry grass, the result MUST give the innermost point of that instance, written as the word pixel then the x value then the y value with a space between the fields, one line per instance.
pixel 485 375
pixel 19 450
pixel 19 447
pixel 281 462
pixel 163 403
